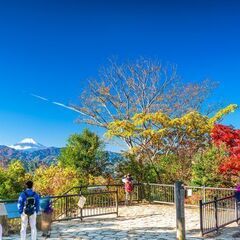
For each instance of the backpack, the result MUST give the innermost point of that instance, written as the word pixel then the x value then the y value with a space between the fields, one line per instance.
pixel 29 207
pixel 129 186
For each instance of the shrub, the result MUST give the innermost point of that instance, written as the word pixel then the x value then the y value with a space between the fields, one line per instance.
pixel 56 180
pixel 13 180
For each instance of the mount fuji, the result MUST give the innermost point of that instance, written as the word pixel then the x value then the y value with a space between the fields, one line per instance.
pixel 30 153
pixel 28 144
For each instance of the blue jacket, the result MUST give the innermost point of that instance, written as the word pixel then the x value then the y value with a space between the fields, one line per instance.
pixel 22 200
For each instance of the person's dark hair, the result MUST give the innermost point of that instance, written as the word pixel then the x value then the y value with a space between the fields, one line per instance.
pixel 29 184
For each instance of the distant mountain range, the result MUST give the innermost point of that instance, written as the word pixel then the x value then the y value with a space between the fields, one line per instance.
pixel 33 154
pixel 30 152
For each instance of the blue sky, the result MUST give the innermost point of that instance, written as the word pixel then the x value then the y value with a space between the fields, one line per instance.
pixel 50 48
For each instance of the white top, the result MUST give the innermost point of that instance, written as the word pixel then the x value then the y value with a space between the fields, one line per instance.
pixel 3 211
pixel 124 180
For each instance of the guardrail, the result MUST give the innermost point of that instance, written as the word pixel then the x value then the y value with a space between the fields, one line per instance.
pixel 164 193
pixel 65 207
pixel 97 204
pixel 159 193
pixel 137 192
pixel 218 213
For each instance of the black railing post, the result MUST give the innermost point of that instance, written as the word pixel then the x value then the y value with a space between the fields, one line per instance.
pixel 81 210
pixel 201 216
pixel 236 210
pixel 117 203
pixel 81 214
pixel 138 193
pixel 66 206
pixel 216 212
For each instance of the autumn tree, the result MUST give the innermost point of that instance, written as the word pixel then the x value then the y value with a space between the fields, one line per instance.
pixel 156 134
pixel 228 137
pixel 143 86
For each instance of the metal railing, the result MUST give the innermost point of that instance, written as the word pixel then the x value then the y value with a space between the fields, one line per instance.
pixel 137 192
pixel 97 204
pixel 66 207
pixel 218 213
pixel 158 193
pixel 164 193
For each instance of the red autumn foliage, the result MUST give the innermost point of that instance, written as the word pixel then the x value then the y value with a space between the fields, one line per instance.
pixel 230 138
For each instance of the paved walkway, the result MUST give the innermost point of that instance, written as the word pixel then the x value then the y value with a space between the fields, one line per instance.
pixel 146 222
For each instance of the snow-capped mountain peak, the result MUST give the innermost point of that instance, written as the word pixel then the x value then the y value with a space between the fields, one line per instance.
pixel 28 140
pixel 28 144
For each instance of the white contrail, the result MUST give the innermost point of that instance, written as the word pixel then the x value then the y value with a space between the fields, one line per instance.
pixel 56 103
pixel 67 107
pixel 37 96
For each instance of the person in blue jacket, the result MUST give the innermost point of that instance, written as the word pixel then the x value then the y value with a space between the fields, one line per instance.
pixel 28 206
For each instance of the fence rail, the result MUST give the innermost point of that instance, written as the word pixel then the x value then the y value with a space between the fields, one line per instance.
pixel 83 189
pixel 66 207
pixel 218 213
pixel 164 193
pixel 97 204
pixel 157 193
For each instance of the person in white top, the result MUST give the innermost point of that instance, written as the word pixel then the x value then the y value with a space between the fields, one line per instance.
pixel 3 212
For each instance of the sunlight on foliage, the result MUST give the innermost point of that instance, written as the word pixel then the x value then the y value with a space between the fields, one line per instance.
pixel 158 125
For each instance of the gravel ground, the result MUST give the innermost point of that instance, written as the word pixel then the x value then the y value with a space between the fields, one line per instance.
pixel 142 222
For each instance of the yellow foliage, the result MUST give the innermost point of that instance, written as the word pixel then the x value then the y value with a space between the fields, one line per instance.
pixel 55 180
pixel 100 180
pixel 158 125
pixel 223 112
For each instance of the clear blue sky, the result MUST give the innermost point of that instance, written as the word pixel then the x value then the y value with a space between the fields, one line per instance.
pixel 50 47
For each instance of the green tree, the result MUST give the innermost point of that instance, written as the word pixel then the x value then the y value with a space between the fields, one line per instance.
pixel 85 153
pixel 173 168
pixel 206 168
